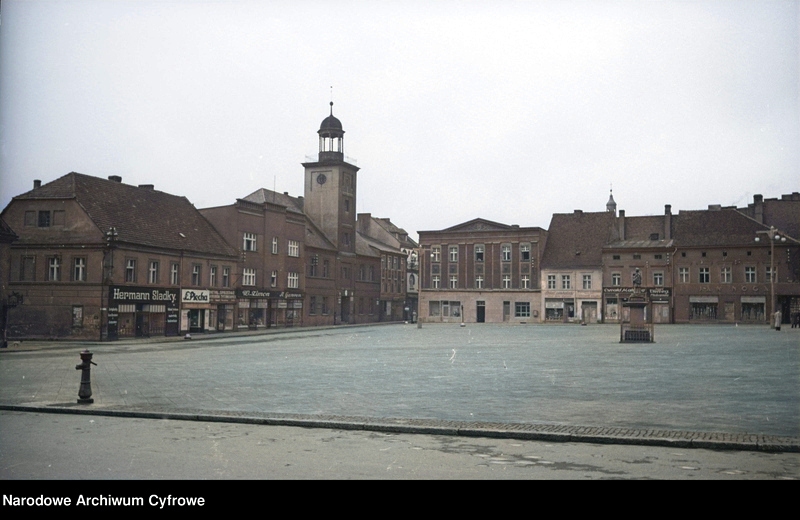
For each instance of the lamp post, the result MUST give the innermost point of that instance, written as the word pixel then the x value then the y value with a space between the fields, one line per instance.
pixel 107 275
pixel 773 236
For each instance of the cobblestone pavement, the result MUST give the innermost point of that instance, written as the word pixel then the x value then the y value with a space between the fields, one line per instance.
pixel 697 386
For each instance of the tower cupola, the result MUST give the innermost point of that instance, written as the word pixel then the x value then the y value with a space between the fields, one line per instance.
pixel 331 139
pixel 611 206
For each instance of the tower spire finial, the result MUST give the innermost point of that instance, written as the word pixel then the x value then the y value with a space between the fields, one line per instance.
pixel 331 99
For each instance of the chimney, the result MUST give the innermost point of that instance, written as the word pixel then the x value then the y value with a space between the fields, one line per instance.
pixel 758 208
pixel 622 224
pixel 667 222
pixel 37 184
pixel 115 178
pixel 150 187
pixel 301 201
pixel 714 207
pixel 578 211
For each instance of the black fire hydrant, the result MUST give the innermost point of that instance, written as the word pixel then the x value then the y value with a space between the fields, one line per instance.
pixel 85 392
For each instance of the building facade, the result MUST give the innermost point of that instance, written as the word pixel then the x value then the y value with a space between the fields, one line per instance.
pixel 480 271
pixel 572 266
pixel 97 258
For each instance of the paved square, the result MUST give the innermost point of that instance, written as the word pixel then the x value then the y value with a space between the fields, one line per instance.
pixel 699 378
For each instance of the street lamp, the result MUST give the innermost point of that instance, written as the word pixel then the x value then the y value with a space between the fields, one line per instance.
pixel 772 233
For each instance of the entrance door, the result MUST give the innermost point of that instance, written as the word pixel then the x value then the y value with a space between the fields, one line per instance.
pixel 142 324
pixel 506 310
pixel 197 318
pixel 481 312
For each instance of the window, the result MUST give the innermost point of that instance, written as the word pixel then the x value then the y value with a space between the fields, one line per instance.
pixel 454 282
pixel 436 281
pixel 637 257
pixel 506 281
pixel 505 250
pixel 226 276
pixel 44 219
pixel 615 257
pixel 152 272
pixel 525 282
pixel 325 305
pixel 454 253
pixel 53 269
pixel 725 275
pixel 248 276
pixel 346 239
pixel 174 274
pixel 196 274
pixel 704 275
pixel 79 270
pixel 294 281
pixel 312 305
pixel 273 279
pixel 27 272
pixel 325 268
pixel 130 270
pixel 683 274
pixel 566 281
pixel 525 252
pixel 750 274
pixel 551 281
pixel 274 245
pixel 249 242
pixel 347 205
pixel 479 282
pixel 658 279
pixel 212 276
pixel 587 281
pixel 653 236
pixel 294 248
pixel 522 309
pixel 479 250
pixel 436 254
pixel 769 276
pixel 312 265
pixel 616 279
pixel 658 257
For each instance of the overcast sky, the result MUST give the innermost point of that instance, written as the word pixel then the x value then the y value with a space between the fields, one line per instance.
pixel 504 110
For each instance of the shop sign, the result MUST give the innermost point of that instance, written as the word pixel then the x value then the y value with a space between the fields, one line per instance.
pixel 703 299
pixel 554 304
pixel 122 294
pixel 258 293
pixel 195 296
pixel 289 295
pixel 754 299
pixel 223 295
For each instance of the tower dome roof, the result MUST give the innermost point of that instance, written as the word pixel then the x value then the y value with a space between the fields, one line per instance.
pixel 331 124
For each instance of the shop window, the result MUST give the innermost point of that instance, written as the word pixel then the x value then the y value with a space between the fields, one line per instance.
pixel 522 309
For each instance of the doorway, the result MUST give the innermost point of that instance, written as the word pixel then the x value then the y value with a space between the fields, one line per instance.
pixel 481 312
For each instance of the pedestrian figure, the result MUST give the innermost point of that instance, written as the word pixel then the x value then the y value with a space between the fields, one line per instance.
pixel 777 316
pixel 796 320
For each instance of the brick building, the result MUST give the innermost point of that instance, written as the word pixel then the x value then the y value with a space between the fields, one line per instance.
pixel 480 271
pixel 99 258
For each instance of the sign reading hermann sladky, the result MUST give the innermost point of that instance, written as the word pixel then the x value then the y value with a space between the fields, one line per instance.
pixel 126 295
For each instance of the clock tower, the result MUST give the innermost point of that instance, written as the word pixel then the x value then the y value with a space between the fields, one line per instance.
pixel 330 187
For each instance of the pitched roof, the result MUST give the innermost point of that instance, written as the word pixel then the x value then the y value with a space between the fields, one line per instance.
pixel 723 227
pixel 638 233
pixel 262 195
pixel 6 233
pixel 141 216
pixel 576 240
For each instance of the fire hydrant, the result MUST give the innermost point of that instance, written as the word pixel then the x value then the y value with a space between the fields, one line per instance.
pixel 85 392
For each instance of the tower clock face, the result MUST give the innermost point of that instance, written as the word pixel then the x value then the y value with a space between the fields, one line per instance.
pixel 321 179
